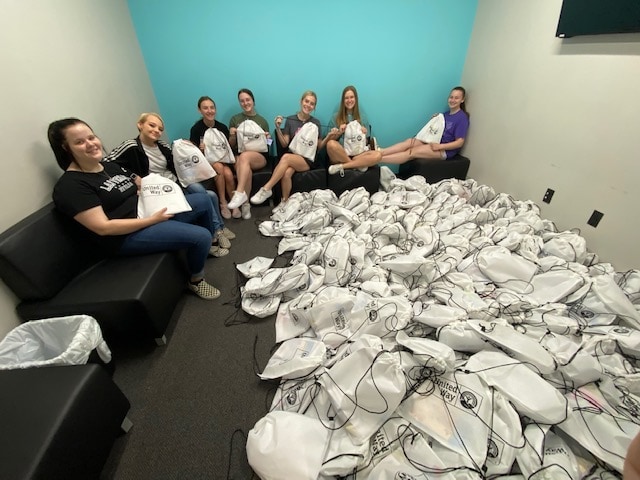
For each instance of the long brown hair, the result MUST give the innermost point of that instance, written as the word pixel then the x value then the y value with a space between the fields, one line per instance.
pixel 463 105
pixel 341 116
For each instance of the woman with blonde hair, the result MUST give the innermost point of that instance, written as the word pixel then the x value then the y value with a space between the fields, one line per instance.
pixel 291 162
pixel 148 153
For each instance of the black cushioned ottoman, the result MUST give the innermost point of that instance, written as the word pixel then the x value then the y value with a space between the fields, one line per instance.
pixel 435 170
pixel 353 178
pixel 58 422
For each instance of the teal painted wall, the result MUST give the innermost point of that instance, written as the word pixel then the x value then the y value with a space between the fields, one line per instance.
pixel 403 57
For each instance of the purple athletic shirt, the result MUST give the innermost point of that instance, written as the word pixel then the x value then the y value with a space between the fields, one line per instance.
pixel 455 126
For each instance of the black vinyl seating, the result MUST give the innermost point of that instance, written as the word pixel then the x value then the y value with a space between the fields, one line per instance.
pixel 59 422
pixel 435 170
pixel 49 263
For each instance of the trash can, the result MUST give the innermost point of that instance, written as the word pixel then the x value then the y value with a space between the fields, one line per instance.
pixel 54 341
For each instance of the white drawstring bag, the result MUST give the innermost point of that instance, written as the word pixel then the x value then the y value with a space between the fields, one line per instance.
pixel 342 455
pixel 432 131
pixel 260 307
pixel 505 437
pixel 415 459
pixel 255 267
pixel 595 425
pixel 158 192
pixel 190 163
pixel 455 410
pixel 517 345
pixel 251 138
pixel 365 388
pixel 355 141
pixel 295 358
pixel 335 260
pixel 436 315
pixel 551 458
pixel 288 323
pixel 305 141
pixel 287 445
pixel 430 353
pixel 217 148
pixel 530 394
pixel 295 395
pixel 277 280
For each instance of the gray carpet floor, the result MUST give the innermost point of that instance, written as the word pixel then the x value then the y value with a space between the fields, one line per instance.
pixel 194 400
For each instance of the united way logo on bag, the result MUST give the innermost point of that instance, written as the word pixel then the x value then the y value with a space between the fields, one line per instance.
pixel 195 159
pixel 167 188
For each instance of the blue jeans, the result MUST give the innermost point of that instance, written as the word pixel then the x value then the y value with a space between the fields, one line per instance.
pixel 217 218
pixel 191 231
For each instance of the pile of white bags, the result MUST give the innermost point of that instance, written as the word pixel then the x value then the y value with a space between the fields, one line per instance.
pixel 441 331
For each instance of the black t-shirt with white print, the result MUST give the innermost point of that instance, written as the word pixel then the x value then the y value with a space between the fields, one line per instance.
pixel 112 189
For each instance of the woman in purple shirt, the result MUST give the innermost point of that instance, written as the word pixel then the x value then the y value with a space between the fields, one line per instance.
pixel 456 124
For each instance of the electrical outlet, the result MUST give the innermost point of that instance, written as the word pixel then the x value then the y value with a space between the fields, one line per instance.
pixel 595 218
pixel 548 195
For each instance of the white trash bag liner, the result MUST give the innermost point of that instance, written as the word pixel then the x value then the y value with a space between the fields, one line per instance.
pixel 53 341
pixel 295 358
pixel 287 445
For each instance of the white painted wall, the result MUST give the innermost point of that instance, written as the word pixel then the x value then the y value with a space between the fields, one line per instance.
pixel 61 58
pixel 564 114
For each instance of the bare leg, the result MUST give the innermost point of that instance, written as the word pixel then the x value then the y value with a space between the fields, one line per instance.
pixel 336 152
pixel 288 161
pixel 220 182
pixel 366 159
pixel 229 181
pixel 424 150
pixel 246 163
pixel 401 146
pixel 286 183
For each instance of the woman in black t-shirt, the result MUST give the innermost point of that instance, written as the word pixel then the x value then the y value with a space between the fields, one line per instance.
pixel 225 181
pixel 103 198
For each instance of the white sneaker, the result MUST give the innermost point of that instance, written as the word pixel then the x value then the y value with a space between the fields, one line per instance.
pixel 336 168
pixel 237 199
pixel 362 169
pixel 246 211
pixel 261 196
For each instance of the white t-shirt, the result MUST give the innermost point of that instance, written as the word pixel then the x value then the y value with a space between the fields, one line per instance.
pixel 158 163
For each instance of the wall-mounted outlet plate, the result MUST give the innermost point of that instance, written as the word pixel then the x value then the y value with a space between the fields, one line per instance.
pixel 595 218
pixel 548 195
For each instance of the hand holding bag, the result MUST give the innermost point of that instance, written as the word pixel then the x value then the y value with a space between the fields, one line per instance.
pixel 251 138
pixel 432 131
pixel 217 148
pixel 305 142
pixel 158 192
pixel 191 165
pixel 355 142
